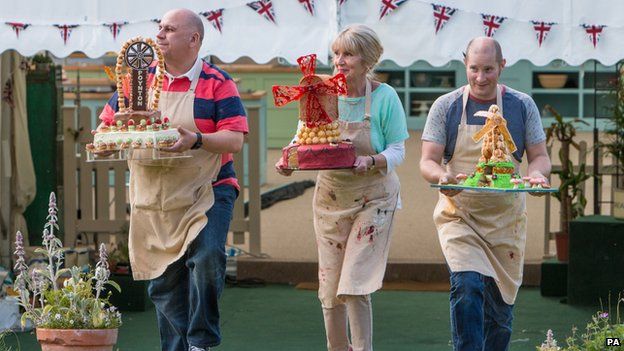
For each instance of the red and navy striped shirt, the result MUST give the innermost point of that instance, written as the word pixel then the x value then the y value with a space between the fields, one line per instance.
pixel 217 106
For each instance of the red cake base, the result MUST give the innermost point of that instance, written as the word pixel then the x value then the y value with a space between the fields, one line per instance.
pixel 318 156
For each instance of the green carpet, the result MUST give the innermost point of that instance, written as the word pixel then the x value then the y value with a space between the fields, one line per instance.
pixel 279 317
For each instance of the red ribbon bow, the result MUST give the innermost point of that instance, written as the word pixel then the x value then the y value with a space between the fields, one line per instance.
pixel 314 93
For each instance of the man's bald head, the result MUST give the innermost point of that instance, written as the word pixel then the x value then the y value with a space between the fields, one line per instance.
pixel 483 45
pixel 192 20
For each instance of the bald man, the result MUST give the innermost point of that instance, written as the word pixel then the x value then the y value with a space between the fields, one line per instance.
pixel 181 209
pixel 482 235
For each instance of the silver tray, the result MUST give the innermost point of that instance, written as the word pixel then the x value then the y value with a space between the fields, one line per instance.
pixel 130 154
pixel 494 190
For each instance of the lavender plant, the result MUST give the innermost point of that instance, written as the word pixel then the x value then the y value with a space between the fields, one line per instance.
pixel 79 302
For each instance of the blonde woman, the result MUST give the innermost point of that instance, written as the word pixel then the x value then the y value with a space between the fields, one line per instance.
pixel 354 209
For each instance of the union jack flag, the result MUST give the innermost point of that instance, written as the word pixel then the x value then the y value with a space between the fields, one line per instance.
pixel 215 18
pixel 65 30
pixel 388 6
pixel 340 2
pixel 18 27
pixel 593 32
pixel 491 23
pixel 541 30
pixel 308 5
pixel 264 8
pixel 155 20
pixel 441 15
pixel 115 28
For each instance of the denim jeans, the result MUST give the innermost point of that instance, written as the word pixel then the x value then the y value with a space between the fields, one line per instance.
pixel 186 295
pixel 480 319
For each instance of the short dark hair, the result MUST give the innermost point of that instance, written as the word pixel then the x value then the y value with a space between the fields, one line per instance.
pixel 497 48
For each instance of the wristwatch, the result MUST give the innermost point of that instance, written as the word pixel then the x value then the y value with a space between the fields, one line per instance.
pixel 372 164
pixel 199 141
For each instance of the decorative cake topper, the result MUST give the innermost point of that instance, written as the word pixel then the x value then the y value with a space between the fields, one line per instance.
pixel 498 143
pixel 317 93
pixel 138 53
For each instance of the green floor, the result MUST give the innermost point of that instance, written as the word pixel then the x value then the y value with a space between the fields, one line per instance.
pixel 279 317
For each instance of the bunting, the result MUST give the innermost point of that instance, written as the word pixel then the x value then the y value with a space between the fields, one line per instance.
pixel 491 24
pixel 65 30
pixel 308 5
pixel 215 18
pixel 388 6
pixel 115 28
pixel 593 32
pixel 341 2
pixel 441 15
pixel 18 27
pixel 264 8
pixel 541 30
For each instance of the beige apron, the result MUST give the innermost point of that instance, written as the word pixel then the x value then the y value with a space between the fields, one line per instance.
pixel 483 232
pixel 169 198
pixel 352 220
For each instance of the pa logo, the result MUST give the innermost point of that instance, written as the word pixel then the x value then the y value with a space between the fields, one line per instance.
pixel 613 342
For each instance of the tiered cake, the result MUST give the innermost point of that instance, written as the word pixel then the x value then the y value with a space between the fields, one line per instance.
pixel 318 144
pixel 496 168
pixel 138 126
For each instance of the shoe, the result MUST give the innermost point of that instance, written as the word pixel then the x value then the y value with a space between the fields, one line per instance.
pixel 195 348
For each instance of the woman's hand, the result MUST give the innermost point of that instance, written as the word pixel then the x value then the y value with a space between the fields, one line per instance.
pixel 279 167
pixel 362 164
pixel 543 181
pixel 187 139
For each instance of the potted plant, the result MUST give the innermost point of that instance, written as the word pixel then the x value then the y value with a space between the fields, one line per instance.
pixel 68 314
pixel 605 331
pixel 570 193
pixel 615 145
pixel 41 62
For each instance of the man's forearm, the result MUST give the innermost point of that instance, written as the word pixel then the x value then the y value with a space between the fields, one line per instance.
pixel 541 164
pixel 431 170
pixel 223 141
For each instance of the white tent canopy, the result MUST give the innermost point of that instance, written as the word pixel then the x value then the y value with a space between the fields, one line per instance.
pixel 244 32
pixel 407 33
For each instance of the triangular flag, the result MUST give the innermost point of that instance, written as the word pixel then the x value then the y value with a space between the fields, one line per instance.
pixel 215 18
pixel 155 20
pixel 388 6
pixel 115 28
pixel 593 32
pixel 18 27
pixel 308 5
pixel 491 23
pixel 340 2
pixel 264 8
pixel 441 15
pixel 541 30
pixel 65 30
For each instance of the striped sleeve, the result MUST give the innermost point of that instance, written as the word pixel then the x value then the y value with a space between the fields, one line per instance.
pixel 229 109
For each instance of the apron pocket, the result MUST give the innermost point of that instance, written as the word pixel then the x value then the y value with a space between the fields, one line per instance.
pixel 180 187
pixel 147 194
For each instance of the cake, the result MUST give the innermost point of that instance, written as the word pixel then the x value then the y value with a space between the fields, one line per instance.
pixel 318 144
pixel 138 125
pixel 495 168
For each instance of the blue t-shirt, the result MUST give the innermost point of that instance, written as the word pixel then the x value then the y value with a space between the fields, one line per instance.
pixel 388 123
pixel 519 110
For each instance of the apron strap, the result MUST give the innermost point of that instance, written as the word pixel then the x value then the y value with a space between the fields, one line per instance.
pixel 367 101
pixel 466 94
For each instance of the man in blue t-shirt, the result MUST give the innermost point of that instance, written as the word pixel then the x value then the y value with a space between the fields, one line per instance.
pixel 482 235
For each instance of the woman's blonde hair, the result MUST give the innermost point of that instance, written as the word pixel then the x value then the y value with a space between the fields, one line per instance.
pixel 359 39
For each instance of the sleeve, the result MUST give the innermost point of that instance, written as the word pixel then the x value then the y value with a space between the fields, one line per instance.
pixel 435 126
pixel 112 106
pixel 229 109
pixel 395 155
pixel 534 129
pixel 393 121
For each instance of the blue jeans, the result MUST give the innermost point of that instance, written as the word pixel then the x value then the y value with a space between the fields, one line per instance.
pixel 480 319
pixel 186 295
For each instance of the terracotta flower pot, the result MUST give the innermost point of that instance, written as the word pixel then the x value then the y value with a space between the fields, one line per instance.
pixel 77 339
pixel 562 242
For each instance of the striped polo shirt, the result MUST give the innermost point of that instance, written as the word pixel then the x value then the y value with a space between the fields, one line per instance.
pixel 217 106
